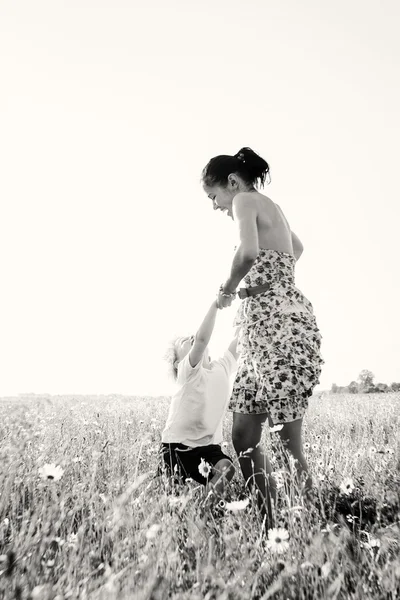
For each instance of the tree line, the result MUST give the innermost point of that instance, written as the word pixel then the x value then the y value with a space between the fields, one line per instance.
pixel 365 385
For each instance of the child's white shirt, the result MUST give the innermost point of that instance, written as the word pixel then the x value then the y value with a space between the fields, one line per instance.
pixel 198 407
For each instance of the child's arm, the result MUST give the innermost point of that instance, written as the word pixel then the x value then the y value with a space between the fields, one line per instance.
pixel 203 335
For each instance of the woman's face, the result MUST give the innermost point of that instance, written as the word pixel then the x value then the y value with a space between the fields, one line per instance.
pixel 221 197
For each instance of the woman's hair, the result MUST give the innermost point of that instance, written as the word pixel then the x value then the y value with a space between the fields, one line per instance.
pixel 253 169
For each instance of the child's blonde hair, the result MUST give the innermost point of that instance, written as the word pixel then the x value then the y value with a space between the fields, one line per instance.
pixel 171 358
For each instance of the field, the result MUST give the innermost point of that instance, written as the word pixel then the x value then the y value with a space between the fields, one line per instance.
pixel 100 526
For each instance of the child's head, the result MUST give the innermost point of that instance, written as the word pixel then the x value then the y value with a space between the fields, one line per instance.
pixel 179 348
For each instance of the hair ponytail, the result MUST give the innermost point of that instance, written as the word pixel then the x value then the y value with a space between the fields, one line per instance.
pixel 253 169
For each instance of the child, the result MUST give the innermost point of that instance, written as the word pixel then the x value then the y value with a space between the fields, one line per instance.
pixel 193 431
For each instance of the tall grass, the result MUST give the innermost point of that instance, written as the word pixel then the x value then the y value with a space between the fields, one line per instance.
pixel 107 529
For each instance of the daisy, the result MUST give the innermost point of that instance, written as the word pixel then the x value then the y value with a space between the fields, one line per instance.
pixel 238 505
pixel 204 468
pixel 152 531
pixel 51 471
pixel 306 446
pixel 275 428
pixel 347 486
pixel 278 540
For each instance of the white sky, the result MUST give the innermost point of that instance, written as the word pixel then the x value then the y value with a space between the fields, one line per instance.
pixel 109 110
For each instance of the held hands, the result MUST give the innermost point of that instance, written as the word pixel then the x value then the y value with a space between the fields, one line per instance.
pixel 225 299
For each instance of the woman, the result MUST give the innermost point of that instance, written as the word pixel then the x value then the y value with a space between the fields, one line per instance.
pixel 279 342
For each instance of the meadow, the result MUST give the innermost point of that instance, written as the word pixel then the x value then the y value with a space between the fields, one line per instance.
pixel 82 515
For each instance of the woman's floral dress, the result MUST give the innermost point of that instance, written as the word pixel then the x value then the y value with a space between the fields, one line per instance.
pixel 279 343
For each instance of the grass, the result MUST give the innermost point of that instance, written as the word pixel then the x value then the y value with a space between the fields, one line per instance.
pixel 108 530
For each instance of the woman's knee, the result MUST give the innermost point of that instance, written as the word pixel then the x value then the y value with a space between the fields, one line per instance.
pixel 225 468
pixel 246 431
pixel 242 439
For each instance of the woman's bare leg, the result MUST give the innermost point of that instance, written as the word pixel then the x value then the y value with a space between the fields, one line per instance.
pixel 255 466
pixel 224 471
pixel 291 439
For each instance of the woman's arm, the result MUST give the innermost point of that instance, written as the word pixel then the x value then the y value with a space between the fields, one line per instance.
pixel 245 216
pixel 297 246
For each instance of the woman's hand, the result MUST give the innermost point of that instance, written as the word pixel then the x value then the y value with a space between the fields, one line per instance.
pixel 225 299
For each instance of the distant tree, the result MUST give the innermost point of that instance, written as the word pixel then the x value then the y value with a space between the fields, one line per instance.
pixel 334 388
pixel 395 387
pixel 366 379
pixel 382 387
pixel 353 387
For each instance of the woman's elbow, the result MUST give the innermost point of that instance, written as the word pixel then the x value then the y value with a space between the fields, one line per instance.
pixel 298 252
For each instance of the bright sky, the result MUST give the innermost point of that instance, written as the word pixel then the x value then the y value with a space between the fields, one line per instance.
pixel 110 109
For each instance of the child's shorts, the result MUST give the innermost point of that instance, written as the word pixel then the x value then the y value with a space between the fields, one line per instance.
pixel 183 462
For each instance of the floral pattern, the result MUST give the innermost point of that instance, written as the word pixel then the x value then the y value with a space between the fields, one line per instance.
pixel 279 343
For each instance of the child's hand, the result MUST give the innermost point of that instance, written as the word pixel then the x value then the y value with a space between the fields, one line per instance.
pixel 224 300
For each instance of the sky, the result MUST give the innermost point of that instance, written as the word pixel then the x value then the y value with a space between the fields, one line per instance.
pixel 109 111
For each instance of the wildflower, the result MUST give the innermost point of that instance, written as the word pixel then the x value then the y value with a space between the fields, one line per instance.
pixel 152 531
pixel 328 529
pixel 51 471
pixel 278 540
pixel 248 451
pixel 320 463
pixel 351 519
pixel 204 468
pixel 224 444
pixel 389 451
pixel 279 480
pixel 314 447
pixel 40 591
pixel 307 446
pixel 172 501
pixel 372 450
pixel 347 486
pixel 307 565
pixel 275 428
pixel 238 505
pixel 326 569
pixel 374 543
pixel 72 540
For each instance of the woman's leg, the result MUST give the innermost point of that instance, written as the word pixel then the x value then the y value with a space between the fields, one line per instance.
pixel 291 439
pixel 255 466
pixel 224 471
